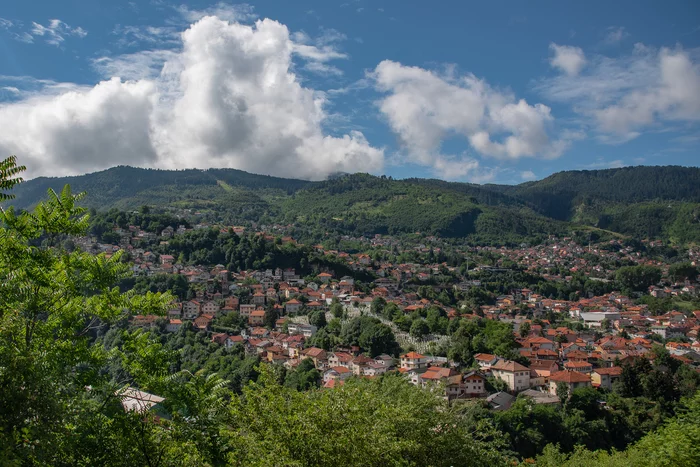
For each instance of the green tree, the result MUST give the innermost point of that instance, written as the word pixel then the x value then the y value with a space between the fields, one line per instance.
pixel 638 278
pixel 419 328
pixel 51 301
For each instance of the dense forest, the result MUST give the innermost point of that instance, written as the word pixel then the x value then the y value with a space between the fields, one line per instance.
pixel 640 202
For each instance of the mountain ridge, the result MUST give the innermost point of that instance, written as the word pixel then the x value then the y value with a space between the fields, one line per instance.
pixel 644 201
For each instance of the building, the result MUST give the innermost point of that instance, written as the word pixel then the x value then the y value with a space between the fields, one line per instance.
pixel 256 318
pixel 594 319
pixel 474 384
pixel 292 306
pixel 174 325
pixel 485 360
pixel 337 372
pixel 516 376
pixel 572 379
pixel 191 309
pixel 413 361
pixel 605 377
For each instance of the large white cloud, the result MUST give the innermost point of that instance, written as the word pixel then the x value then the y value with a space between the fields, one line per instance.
pixel 228 98
pixel 425 108
pixel 626 95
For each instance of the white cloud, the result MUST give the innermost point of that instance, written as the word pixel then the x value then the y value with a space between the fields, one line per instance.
pixel 424 109
pixel 134 66
pixel 615 35
pixel 626 95
pixel 568 59
pixel 130 36
pixel 225 11
pixel 229 98
pixel 56 31
pixel 5 23
pixel 318 51
pixel 528 175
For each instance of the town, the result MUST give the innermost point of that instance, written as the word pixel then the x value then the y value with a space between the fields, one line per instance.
pixel 556 344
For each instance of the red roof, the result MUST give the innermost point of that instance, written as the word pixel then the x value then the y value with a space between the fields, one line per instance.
pixel 612 371
pixel 569 376
pixel 412 356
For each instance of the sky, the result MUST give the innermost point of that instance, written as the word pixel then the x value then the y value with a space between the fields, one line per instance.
pixel 481 92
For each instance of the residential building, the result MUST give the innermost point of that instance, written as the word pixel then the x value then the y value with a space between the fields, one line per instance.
pixel 516 376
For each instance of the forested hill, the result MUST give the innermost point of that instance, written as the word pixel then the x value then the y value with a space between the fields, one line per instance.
pixel 557 195
pixel 111 186
pixel 643 202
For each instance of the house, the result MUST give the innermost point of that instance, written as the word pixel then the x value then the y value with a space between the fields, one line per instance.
pixel 413 360
pixel 605 377
pixel 336 372
pixel 134 400
pixel 175 311
pixel 259 299
pixel 256 318
pixel 485 360
pixel 360 363
pixel 307 330
pixel 516 376
pixel 339 359
pixel 572 379
pixel 191 309
pixel 173 325
pixel 324 277
pixel 210 308
pixel 202 322
pixel 540 397
pixel 318 356
pixel 246 309
pixel 581 367
pixel 544 368
pixel 500 401
pixel 474 384
pixel 292 306
pixel 233 340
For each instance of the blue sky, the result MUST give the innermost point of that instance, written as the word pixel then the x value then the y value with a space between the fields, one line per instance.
pixel 471 91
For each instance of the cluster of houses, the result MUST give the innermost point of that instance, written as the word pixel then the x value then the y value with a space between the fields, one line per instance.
pixel 557 355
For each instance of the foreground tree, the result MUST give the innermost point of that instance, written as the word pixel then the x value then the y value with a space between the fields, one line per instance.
pixel 51 301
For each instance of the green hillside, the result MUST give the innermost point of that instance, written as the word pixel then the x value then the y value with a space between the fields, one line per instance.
pixel 643 202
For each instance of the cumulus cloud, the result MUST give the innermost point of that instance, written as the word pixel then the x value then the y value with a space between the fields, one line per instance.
pixel 623 96
pixel 229 98
pixel 424 109
pixel 566 58
pixel 56 31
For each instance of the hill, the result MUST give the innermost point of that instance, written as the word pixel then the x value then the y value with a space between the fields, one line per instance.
pixel 643 202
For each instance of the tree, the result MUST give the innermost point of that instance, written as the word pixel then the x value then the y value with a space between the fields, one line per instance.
pixel 337 310
pixel 51 300
pixel 419 328
pixel 638 278
pixel 378 339
pixel 272 314
pixel 377 306
pixel 385 421
pixel 682 271
pixel 318 318
pixel 9 171
pixel 303 377
pixel 524 330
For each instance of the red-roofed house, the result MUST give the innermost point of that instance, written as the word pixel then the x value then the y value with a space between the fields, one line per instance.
pixel 605 377
pixel 573 380
pixel 413 361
